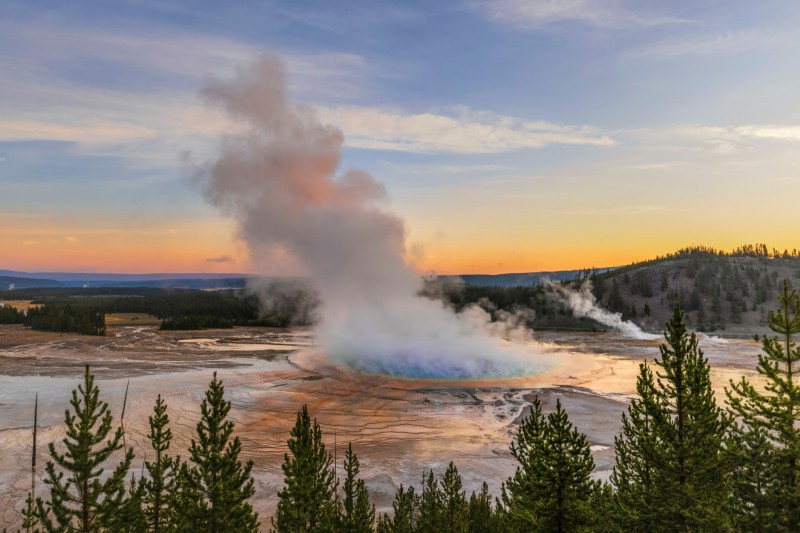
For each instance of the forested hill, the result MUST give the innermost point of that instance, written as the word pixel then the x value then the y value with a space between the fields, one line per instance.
pixel 720 291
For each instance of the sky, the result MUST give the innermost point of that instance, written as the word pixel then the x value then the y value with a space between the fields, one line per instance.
pixel 511 135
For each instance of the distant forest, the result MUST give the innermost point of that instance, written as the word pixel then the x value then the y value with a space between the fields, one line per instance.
pixel 69 309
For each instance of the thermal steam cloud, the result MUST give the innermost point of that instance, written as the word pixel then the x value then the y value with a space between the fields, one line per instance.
pixel 278 179
pixel 583 304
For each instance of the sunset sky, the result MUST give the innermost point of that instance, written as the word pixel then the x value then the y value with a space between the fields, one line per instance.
pixel 512 135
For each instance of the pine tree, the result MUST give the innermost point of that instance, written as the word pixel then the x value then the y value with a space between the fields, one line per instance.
pixel 671 473
pixel 29 517
pixel 406 513
pixel 307 501
pixel 131 518
pixel 633 474
pixel 551 488
pixel 217 486
pixel 81 497
pixel 455 510
pixel 481 515
pixel 357 515
pixel 430 506
pixel 160 487
pixel 766 444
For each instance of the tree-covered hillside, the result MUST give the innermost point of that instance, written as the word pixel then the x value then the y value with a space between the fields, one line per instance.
pixel 720 291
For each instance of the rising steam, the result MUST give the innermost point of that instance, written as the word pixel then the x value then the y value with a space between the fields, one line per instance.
pixel 583 304
pixel 279 180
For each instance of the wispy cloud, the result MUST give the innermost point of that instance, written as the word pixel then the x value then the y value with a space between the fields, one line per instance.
pixel 50 53
pixel 731 139
pixel 634 210
pixel 732 42
pixel 712 139
pixel 95 132
pixel 460 131
pixel 539 13
pixel 220 259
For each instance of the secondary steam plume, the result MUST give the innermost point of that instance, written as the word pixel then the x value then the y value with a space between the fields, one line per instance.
pixel 279 180
pixel 583 303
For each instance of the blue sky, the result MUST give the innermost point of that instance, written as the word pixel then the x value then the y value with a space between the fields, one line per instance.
pixel 511 135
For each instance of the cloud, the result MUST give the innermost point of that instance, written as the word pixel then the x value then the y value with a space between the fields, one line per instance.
pixel 461 131
pixel 221 259
pixel 711 139
pixel 137 90
pixel 538 13
pixel 48 55
pixel 731 139
pixel 95 132
pixel 634 210
pixel 732 42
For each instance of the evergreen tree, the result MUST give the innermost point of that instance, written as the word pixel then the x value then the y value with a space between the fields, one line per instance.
pixel 406 513
pixel 766 444
pixel 218 483
pixel 430 508
pixel 81 497
pixel 481 515
pixel 455 510
pixel 671 473
pixel 131 518
pixel 29 518
pixel 160 487
pixel 602 505
pixel 357 515
pixel 551 488
pixel 633 475
pixel 307 501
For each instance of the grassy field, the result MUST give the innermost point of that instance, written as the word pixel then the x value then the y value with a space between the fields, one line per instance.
pixel 22 305
pixel 131 319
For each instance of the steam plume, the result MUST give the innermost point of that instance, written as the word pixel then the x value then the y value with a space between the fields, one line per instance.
pixel 279 180
pixel 583 304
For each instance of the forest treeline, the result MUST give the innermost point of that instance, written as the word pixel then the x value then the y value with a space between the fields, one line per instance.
pixel 58 318
pixel 683 463
pixel 280 304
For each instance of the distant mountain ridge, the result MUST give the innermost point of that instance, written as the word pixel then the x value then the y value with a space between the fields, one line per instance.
pixel 10 279
pixel 520 279
pixel 107 276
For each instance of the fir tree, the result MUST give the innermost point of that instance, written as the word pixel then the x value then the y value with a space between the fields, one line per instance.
pixel 551 488
pixel 671 472
pixel 217 486
pixel 307 501
pixel 766 444
pixel 81 497
pixel 160 486
pixel 357 514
